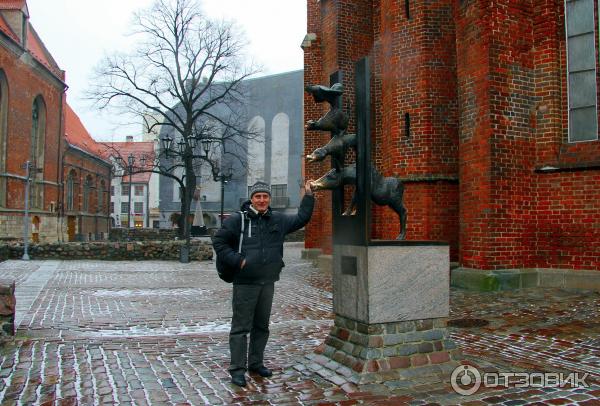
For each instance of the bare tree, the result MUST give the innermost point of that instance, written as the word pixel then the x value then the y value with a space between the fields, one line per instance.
pixel 184 75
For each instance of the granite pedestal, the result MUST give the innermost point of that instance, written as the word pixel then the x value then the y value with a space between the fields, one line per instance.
pixel 391 302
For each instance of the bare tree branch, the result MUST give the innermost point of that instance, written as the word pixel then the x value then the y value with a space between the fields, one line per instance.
pixel 186 72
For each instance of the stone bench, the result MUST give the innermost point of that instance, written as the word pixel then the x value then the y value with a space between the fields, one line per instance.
pixel 7 308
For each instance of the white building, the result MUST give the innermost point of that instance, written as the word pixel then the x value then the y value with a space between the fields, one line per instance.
pixel 142 188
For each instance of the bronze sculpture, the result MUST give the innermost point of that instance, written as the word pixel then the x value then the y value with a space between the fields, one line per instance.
pixel 385 191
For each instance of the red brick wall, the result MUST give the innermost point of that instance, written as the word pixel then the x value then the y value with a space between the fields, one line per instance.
pixel 84 166
pixel 416 74
pixel 565 225
pixel 319 228
pixel 344 35
pixel 24 85
pixel 485 86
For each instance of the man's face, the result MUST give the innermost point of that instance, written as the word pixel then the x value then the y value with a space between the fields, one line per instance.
pixel 260 201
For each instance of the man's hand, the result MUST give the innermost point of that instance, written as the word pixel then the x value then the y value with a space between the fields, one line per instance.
pixel 308 188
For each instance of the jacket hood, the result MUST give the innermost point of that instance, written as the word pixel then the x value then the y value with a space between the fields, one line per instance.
pixel 246 206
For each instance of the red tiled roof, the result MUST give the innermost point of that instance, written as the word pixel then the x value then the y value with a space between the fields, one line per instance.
pixel 12 4
pixel 77 136
pixel 138 149
pixel 37 48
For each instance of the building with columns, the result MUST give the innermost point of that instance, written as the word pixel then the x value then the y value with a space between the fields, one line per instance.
pixel 273 111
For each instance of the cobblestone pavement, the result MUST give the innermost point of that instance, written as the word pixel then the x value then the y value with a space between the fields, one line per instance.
pixel 156 333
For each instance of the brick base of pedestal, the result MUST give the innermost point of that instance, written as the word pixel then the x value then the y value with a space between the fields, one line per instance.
pixel 367 353
pixel 7 309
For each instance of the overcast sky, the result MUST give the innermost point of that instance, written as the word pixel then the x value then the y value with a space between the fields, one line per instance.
pixel 79 32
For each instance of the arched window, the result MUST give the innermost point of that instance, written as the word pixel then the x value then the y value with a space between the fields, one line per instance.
pixel 101 196
pixel 71 185
pixel 87 190
pixel 3 136
pixel 256 151
pixel 36 155
pixel 280 149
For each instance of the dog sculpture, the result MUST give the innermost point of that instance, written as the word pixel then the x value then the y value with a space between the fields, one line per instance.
pixel 336 147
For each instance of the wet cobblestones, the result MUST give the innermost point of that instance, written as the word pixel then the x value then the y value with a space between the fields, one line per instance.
pixel 155 333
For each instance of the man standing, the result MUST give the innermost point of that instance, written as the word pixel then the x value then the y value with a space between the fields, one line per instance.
pixel 258 267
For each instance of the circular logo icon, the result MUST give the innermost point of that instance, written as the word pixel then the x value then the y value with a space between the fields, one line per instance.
pixel 465 380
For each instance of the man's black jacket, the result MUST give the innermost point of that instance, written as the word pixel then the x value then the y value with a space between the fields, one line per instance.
pixel 262 246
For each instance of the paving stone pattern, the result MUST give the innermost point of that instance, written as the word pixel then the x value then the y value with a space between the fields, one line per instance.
pixel 140 333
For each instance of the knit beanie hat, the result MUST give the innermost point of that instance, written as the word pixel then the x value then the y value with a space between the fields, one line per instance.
pixel 260 187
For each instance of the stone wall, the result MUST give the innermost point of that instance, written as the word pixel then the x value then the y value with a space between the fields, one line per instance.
pixel 142 234
pixel 11 226
pixel 116 251
pixel 7 309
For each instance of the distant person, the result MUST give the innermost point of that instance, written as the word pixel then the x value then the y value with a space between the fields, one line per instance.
pixel 258 267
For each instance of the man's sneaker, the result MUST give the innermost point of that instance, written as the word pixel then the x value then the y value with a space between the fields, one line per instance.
pixel 238 379
pixel 262 371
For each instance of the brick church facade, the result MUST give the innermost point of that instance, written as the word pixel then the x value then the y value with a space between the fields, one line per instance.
pixel 487 110
pixel 68 192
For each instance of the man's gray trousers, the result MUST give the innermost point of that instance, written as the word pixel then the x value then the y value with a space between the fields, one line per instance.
pixel 251 313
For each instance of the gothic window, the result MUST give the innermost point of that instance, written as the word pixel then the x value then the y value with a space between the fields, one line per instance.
pixel 87 190
pixel 36 155
pixel 256 150
pixel 101 196
pixel 3 132
pixel 71 191
pixel 581 70
pixel 280 149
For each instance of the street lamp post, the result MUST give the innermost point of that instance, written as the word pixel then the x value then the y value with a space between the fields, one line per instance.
pixel 130 161
pixel 27 167
pixel 223 178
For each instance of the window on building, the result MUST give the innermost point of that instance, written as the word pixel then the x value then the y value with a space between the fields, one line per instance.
pixel 280 149
pixel 3 130
pixel 124 207
pixel 279 196
pixel 87 190
pixel 124 190
pixel 278 190
pixel 581 73
pixel 36 152
pixel 112 207
pixel 112 190
pixel 101 197
pixel 138 207
pixel 71 191
pixel 139 190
